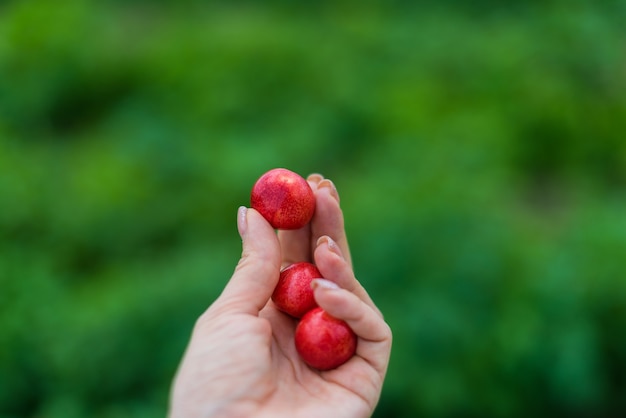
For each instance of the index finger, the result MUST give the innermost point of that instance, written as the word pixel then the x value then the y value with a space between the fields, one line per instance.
pixel 328 218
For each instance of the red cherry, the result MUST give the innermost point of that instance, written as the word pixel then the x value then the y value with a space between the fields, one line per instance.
pixel 324 342
pixel 284 198
pixel 293 293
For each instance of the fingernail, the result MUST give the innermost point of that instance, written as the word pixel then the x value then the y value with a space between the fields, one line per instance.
pixel 315 178
pixel 332 245
pixel 324 284
pixel 331 186
pixel 242 220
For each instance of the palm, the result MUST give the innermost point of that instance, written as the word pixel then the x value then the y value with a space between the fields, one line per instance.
pixel 295 389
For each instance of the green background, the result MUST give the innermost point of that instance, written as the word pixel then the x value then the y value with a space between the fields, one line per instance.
pixel 479 149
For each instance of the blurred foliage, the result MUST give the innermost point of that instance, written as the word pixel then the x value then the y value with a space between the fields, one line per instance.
pixel 478 148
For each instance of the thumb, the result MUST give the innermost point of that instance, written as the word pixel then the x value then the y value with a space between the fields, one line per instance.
pixel 258 270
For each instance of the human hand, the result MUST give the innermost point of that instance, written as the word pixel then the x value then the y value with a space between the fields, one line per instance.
pixel 241 360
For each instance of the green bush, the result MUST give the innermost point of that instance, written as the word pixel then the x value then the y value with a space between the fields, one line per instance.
pixel 478 151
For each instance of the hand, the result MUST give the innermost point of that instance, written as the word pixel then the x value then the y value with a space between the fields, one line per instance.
pixel 241 360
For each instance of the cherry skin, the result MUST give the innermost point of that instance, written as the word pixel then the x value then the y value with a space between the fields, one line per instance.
pixel 284 198
pixel 293 293
pixel 324 342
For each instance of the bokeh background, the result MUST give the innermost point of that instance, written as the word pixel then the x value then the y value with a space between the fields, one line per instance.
pixel 479 149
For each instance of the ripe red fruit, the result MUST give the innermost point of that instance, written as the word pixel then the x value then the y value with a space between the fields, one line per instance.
pixel 324 342
pixel 284 198
pixel 293 294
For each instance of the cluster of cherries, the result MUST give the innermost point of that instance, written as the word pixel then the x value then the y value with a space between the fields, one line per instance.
pixel 286 201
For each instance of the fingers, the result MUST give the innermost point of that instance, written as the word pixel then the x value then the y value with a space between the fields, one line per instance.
pixel 332 264
pixel 295 245
pixel 374 334
pixel 257 272
pixel 328 220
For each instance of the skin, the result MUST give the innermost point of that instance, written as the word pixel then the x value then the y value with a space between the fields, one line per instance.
pixel 241 360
